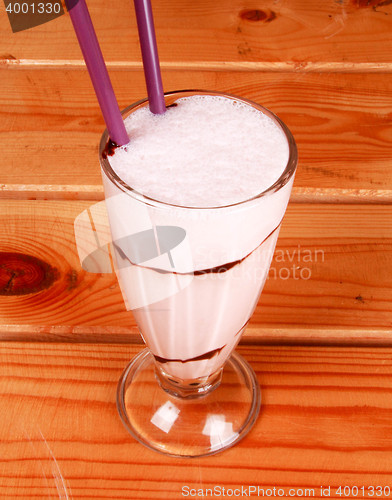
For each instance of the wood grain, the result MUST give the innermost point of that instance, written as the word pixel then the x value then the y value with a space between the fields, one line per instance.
pixel 50 126
pixel 324 67
pixel 329 281
pixel 325 421
pixel 299 31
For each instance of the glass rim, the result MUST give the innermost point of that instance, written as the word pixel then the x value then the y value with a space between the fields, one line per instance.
pixel 172 96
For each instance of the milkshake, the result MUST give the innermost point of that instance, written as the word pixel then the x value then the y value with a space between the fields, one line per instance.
pixel 195 202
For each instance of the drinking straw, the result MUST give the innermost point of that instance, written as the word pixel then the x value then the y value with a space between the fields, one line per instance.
pixel 95 63
pixel 148 44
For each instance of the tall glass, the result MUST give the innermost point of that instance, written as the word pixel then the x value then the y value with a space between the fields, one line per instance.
pixel 192 278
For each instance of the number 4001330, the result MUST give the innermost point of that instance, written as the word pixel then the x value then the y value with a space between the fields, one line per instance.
pixel 33 8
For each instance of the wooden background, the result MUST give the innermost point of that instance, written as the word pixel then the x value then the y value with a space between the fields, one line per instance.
pixel 324 66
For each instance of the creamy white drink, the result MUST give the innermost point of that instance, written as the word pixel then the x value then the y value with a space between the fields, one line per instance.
pixel 205 151
pixel 195 203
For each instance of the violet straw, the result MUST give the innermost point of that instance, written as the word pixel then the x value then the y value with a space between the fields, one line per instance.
pixel 148 44
pixel 95 63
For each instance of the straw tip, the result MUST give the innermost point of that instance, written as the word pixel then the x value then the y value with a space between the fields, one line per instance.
pixel 109 148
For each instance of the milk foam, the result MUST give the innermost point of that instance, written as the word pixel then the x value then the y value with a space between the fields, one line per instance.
pixel 207 151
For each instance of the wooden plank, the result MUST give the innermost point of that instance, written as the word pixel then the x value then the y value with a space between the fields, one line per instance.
pixel 329 280
pixel 325 421
pixel 342 123
pixel 299 31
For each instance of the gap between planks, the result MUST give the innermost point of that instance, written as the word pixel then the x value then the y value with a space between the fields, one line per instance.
pixel 262 66
pixel 254 336
pixel 94 192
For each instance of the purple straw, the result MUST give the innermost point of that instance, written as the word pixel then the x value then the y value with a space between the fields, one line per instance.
pixel 148 44
pixel 95 63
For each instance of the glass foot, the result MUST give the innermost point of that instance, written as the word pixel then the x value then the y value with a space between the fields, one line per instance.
pixel 183 426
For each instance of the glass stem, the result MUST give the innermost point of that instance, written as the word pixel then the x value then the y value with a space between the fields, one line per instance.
pixel 189 388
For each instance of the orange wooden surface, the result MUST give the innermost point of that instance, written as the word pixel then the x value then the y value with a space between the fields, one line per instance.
pixel 325 421
pixel 324 67
pixel 296 31
pixel 341 122
pixel 331 271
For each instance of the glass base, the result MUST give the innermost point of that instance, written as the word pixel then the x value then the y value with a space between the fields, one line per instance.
pixel 184 425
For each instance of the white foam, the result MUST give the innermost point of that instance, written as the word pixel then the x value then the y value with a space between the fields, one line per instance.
pixel 206 151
